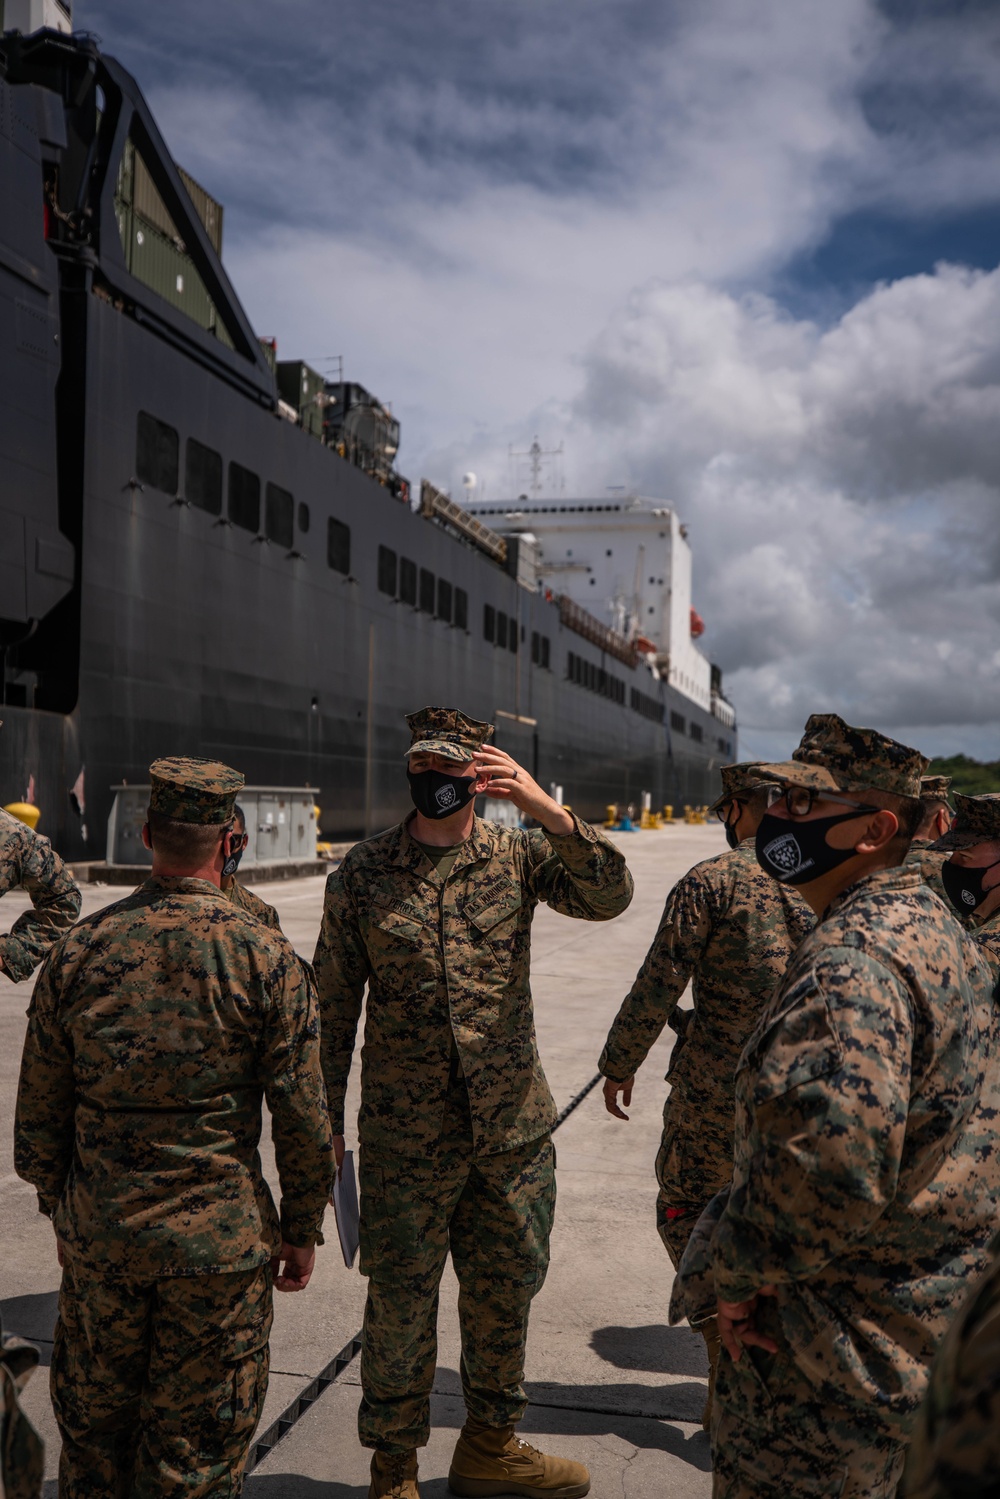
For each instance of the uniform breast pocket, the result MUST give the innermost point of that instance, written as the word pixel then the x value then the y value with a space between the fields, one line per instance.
pixel 393 936
pixel 496 925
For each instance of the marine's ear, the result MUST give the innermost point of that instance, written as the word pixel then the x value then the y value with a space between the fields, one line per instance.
pixel 882 829
pixel 147 837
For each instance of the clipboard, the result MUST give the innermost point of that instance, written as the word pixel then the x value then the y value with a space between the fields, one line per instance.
pixel 344 1198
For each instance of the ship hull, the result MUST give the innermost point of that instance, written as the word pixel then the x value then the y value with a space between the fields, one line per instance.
pixel 185 634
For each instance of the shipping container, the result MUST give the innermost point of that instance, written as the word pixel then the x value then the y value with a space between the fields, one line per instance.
pixel 303 388
pixel 137 190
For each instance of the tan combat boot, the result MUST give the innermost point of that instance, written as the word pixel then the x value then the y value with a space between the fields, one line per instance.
pixel 494 1460
pixel 394 1476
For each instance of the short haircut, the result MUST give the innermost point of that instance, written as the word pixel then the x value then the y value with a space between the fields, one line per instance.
pixel 759 799
pixel 753 799
pixel 189 844
pixel 909 811
pixel 240 816
pixel 930 811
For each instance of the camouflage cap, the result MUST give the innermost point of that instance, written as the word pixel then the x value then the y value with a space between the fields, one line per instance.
pixel 833 756
pixel 446 731
pixel 977 820
pixel 934 788
pixel 737 779
pixel 202 791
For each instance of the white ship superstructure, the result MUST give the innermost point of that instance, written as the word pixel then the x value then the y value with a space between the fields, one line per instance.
pixel 626 561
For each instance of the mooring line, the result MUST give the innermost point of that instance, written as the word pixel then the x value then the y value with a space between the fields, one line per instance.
pixel 279 1429
pixel 575 1102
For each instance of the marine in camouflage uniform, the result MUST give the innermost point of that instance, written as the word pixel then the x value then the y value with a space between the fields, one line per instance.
pixel 29 862
pixel 729 929
pixel 239 894
pixel 955 1450
pixel 867 1168
pixel 157 1028
pixel 455 1111
pixel 935 822
pixel 252 904
pixel 973 841
pixel 22 1451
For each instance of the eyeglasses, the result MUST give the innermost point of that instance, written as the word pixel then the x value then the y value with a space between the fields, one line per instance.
pixel 799 800
pixel 722 813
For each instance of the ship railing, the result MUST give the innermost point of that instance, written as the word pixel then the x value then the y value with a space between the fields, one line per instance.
pixel 723 710
pixel 435 504
pixel 576 618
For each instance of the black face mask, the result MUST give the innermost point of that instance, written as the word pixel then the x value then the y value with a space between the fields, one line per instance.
pixel 232 864
pixel 732 837
pixel 964 886
pixel 797 852
pixel 436 795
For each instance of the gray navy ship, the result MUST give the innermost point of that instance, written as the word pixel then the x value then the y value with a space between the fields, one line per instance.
pixel 205 550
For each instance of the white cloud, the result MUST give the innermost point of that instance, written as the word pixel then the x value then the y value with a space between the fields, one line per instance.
pixel 842 487
pixel 461 245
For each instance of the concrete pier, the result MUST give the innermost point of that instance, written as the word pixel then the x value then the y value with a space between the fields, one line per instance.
pixel 608 1381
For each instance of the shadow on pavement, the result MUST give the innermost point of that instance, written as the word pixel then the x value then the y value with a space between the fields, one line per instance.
pixel 32 1317
pixel 291 1486
pixel 647 1434
pixel 655 1349
pixel 681 1400
pixel 639 1414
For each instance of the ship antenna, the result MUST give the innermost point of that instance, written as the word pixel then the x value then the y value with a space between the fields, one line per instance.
pixel 538 459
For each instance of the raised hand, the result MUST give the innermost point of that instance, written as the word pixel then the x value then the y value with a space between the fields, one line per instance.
pixel 511 782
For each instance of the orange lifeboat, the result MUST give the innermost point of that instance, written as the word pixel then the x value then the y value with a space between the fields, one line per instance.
pixel 697 625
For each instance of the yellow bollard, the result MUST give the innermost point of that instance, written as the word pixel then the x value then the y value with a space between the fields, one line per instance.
pixel 610 815
pixel 25 812
pixel 668 814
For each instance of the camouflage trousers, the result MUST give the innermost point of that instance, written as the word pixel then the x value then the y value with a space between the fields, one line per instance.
pixel 158 1385
pixel 22 1452
pixel 674 1223
pixel 495 1214
pixel 770 1435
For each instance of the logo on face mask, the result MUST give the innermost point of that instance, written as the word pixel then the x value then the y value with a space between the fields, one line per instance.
pixel 445 796
pixel 968 897
pixel 785 855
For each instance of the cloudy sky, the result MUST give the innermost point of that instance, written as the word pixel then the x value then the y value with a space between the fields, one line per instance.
pixel 739 257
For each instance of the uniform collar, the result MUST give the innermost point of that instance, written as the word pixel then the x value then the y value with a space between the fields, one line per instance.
pixel 182 885
pixel 406 853
pixel 900 877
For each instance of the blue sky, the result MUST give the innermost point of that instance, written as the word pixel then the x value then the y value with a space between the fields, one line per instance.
pixel 742 258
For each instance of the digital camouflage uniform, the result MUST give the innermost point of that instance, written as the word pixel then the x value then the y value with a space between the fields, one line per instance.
pixel 867 1172
pixel 28 861
pixel 157 1027
pixel 252 904
pixel 977 820
pixel 955 1450
pixel 22 1451
pixel 922 855
pixel 730 929
pixel 455 1110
